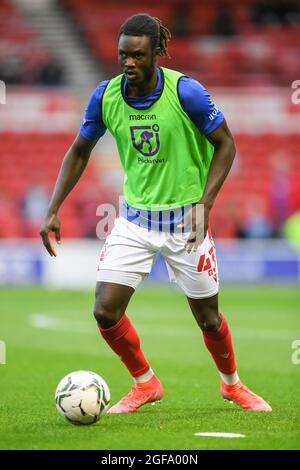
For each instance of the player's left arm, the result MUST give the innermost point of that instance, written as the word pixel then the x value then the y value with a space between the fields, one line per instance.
pixel 210 121
pixel 224 153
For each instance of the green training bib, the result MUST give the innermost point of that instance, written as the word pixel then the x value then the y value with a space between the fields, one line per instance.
pixel 165 157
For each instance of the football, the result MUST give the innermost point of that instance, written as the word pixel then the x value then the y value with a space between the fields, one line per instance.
pixel 82 397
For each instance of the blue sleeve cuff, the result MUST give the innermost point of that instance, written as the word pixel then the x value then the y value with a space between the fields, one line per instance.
pixel 88 135
pixel 214 124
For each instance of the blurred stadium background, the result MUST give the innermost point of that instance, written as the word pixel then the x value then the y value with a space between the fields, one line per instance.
pixel 52 55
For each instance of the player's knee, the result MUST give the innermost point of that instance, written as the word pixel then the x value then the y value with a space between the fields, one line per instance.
pixel 111 303
pixel 106 312
pixel 209 319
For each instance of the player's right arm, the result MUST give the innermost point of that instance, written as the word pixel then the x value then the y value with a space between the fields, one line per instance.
pixel 71 169
pixel 74 164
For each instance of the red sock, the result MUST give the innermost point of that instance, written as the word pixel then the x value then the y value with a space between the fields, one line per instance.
pixel 219 344
pixel 124 341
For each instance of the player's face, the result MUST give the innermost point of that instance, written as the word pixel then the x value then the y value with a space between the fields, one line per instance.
pixel 136 58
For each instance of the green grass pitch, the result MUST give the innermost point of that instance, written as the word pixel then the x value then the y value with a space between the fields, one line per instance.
pixel 51 333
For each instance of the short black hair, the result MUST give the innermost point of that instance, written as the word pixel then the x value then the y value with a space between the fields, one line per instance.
pixel 143 24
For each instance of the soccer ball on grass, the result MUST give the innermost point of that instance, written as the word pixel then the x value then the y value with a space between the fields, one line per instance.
pixel 82 397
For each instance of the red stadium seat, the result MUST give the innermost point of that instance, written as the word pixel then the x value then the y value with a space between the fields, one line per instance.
pixel 32 158
pixel 230 62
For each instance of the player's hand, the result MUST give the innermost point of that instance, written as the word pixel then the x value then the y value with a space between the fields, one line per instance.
pixel 50 224
pixel 198 219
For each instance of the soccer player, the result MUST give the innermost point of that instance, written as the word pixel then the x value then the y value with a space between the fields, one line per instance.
pixel 176 151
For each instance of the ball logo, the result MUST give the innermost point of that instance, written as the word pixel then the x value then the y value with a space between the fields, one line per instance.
pixel 145 139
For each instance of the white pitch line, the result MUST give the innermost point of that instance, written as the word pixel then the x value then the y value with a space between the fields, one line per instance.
pixel 46 321
pixel 228 435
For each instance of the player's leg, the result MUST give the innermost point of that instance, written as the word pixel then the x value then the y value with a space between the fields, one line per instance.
pixel 125 261
pixel 196 273
pixel 216 335
pixel 121 336
pixel 218 340
pixel 115 327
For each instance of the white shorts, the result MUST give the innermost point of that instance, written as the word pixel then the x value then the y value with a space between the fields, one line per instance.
pixel 129 253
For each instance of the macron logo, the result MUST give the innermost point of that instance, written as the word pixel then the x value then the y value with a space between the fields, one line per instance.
pixel 141 117
pixel 213 114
